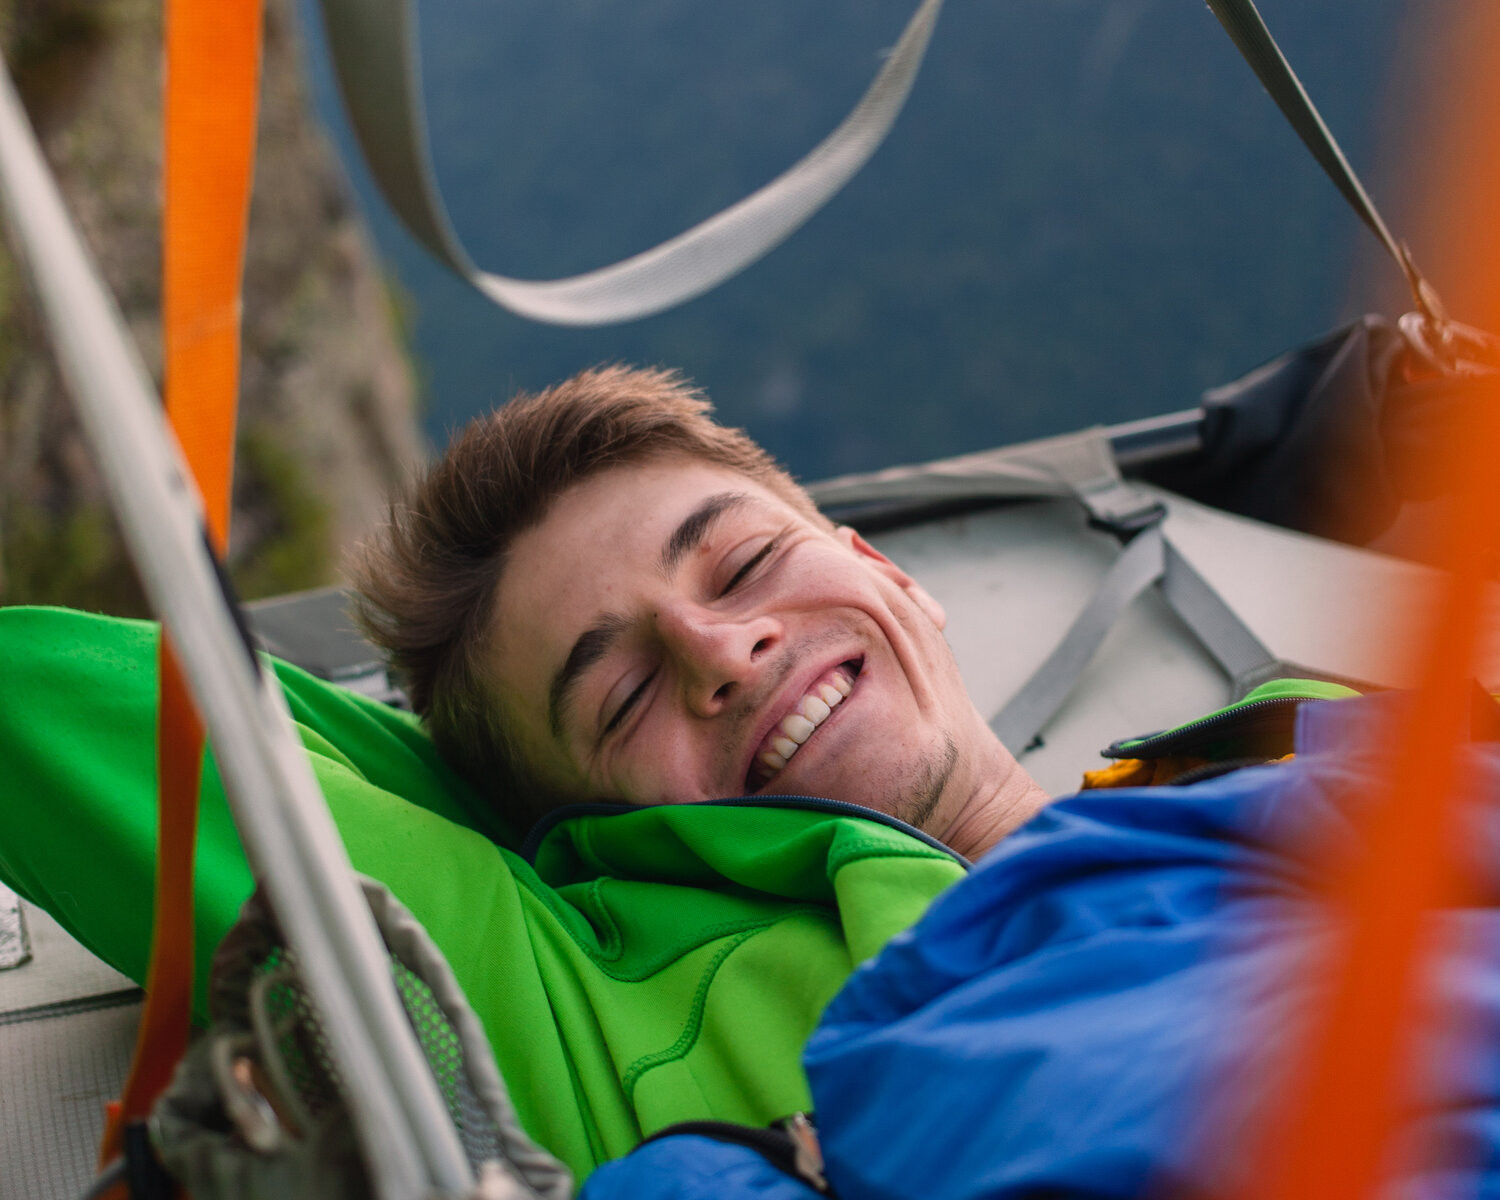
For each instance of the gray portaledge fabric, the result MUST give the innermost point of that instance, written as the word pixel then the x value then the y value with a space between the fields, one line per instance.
pixel 1056 466
pixel 1139 566
pixel 197 1138
pixel 15 946
pixel 1080 465
pixel 60 1069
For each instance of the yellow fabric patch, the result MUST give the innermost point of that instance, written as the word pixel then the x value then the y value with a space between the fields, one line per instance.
pixel 1123 772
pixel 1153 772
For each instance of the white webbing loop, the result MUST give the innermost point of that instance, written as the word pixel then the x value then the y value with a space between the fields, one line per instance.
pixel 374 46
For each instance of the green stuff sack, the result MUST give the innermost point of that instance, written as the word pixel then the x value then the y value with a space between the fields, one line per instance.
pixel 655 965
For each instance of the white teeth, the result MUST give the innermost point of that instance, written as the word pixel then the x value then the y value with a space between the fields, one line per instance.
pixel 814 709
pixel 797 727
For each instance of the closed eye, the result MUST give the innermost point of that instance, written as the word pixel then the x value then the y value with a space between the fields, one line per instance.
pixel 629 702
pixel 755 560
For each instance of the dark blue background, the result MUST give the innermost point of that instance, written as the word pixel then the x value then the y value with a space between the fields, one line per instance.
pixel 1089 211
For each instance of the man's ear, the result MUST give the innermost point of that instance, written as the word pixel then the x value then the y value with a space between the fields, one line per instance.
pixel 891 571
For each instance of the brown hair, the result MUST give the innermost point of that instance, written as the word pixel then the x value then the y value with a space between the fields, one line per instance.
pixel 424 587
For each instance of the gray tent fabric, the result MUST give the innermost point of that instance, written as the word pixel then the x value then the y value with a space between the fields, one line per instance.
pixel 1056 466
pixel 67 1029
pixel 1140 565
pixel 1080 465
pixel 374 45
pixel 15 945
pixel 256 1110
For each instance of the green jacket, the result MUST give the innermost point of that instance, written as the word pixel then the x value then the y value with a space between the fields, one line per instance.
pixel 633 969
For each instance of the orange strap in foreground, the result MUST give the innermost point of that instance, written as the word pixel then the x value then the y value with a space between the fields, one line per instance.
pixel 1331 1131
pixel 213 73
pixel 161 1038
pixel 212 77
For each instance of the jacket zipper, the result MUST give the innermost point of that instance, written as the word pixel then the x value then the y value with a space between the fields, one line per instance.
pixel 1176 740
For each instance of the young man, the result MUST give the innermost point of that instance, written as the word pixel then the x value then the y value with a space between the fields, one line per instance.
pixel 598 593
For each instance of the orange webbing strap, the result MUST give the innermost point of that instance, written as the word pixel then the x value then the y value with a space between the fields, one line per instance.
pixel 1346 1108
pixel 213 69
pixel 212 76
pixel 161 1038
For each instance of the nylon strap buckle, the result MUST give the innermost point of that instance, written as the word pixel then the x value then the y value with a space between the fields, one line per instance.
pixel 1117 508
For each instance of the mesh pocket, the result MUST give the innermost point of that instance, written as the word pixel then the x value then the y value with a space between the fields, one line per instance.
pixel 295 1051
pixel 279 1048
pixel 445 1058
pixel 293 1045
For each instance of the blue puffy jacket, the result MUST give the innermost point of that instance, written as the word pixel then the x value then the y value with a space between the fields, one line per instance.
pixel 1092 1012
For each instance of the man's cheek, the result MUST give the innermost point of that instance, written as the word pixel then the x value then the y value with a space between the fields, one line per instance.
pixel 657 777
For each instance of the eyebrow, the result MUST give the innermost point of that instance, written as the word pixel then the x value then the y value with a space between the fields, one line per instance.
pixel 592 645
pixel 595 642
pixel 689 535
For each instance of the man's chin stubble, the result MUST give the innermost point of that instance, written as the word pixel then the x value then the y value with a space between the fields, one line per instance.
pixel 918 804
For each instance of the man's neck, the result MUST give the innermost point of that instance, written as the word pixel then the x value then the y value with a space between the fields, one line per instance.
pixel 1001 798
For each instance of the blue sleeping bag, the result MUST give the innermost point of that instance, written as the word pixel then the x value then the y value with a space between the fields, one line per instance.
pixel 1095 1009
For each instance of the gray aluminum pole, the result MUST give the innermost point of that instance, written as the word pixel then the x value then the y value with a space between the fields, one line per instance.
pixel 294 848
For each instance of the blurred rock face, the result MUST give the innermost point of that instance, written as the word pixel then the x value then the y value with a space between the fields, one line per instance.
pixel 327 406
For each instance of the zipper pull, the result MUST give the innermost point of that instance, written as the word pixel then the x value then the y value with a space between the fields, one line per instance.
pixel 809 1154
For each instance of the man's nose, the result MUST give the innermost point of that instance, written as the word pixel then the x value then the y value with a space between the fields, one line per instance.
pixel 717 656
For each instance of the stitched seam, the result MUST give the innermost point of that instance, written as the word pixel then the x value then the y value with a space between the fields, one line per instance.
pixel 700 938
pixel 614 941
pixel 859 851
pixel 69 1008
pixel 689 1037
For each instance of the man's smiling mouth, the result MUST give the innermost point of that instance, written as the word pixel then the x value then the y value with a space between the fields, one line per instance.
pixel 792 731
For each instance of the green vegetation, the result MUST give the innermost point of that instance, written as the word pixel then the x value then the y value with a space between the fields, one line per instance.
pixel 402 312
pixel 87 70
pixel 52 550
pixel 292 549
pixel 73 555
pixel 75 558
pixel 47 43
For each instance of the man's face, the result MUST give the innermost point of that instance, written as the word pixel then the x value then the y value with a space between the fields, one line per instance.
pixel 674 632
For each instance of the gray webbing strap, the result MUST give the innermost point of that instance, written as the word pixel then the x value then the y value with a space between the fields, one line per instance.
pixel 1149 556
pixel 1242 655
pixel 375 55
pixel 1243 22
pixel 1139 565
